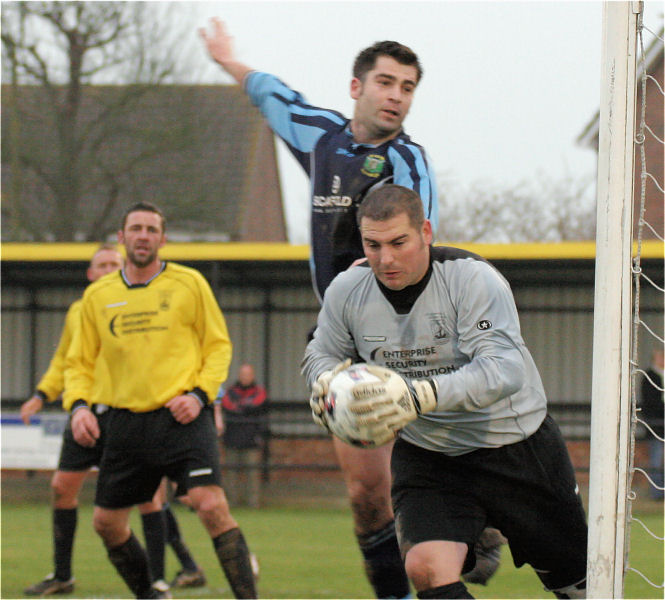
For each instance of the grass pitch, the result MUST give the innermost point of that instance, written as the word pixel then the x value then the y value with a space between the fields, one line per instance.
pixel 304 552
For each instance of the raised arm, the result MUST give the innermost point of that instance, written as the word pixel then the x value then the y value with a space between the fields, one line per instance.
pixel 220 47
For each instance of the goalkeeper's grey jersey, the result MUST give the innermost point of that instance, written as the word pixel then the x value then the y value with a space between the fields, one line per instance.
pixel 459 326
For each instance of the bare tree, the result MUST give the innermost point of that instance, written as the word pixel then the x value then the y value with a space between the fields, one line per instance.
pixel 540 210
pixel 70 140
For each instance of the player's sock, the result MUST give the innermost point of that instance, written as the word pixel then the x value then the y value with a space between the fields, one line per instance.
pixel 487 553
pixel 154 531
pixel 174 539
pixel 64 528
pixel 131 562
pixel 450 590
pixel 383 563
pixel 233 554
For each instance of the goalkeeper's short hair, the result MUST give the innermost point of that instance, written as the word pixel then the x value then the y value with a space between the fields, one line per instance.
pixel 390 200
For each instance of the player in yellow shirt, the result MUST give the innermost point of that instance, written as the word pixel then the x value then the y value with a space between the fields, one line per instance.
pixel 75 461
pixel 158 329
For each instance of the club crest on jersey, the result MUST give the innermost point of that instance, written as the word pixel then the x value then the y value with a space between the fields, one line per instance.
pixel 164 300
pixel 373 165
pixel 437 325
pixel 484 325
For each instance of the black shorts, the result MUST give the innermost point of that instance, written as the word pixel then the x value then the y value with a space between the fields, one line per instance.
pixel 141 448
pixel 526 490
pixel 73 456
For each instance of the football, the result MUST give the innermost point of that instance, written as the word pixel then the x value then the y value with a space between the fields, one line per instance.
pixel 342 422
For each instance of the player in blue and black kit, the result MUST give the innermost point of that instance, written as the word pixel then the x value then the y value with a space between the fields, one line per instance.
pixel 345 159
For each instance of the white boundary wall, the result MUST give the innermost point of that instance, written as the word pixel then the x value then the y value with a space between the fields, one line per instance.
pixel 35 446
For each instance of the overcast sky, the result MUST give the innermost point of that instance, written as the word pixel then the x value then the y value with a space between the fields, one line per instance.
pixel 507 88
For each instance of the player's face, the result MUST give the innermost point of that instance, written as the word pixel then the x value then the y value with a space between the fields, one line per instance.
pixel 105 261
pixel 397 252
pixel 383 98
pixel 143 237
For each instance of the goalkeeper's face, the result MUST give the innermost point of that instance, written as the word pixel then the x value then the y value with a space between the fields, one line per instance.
pixel 397 251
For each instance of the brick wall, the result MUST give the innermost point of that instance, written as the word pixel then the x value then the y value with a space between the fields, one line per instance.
pixel 310 452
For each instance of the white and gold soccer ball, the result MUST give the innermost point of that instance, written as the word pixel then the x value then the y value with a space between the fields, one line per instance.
pixel 342 422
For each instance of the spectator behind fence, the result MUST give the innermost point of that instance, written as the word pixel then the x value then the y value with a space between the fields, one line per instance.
pixel 245 430
pixel 653 414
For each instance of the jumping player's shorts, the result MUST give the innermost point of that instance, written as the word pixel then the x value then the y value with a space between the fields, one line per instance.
pixel 526 490
pixel 141 448
pixel 73 456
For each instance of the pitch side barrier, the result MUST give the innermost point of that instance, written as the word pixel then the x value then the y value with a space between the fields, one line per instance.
pixel 255 251
pixel 37 446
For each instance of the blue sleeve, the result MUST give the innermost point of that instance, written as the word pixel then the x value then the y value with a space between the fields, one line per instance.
pixel 412 169
pixel 299 124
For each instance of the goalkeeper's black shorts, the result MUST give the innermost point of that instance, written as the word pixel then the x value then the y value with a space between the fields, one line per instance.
pixel 526 490
pixel 73 456
pixel 141 448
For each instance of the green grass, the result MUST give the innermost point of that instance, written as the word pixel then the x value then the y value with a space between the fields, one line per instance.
pixel 305 552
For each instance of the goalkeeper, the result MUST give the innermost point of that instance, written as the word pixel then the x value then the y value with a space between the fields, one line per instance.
pixel 460 390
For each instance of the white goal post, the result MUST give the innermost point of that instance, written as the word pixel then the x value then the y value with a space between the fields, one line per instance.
pixel 610 396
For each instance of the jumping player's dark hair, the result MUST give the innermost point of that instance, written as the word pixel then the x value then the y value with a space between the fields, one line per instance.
pixel 389 200
pixel 366 60
pixel 146 207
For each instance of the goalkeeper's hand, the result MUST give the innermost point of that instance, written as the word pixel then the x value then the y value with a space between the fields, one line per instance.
pixel 317 400
pixel 386 406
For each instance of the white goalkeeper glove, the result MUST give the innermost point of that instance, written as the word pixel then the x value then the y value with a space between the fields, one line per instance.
pixel 386 406
pixel 317 401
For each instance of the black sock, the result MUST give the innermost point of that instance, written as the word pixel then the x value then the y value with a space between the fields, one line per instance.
pixel 174 539
pixel 64 528
pixel 383 563
pixel 451 590
pixel 233 554
pixel 155 540
pixel 131 562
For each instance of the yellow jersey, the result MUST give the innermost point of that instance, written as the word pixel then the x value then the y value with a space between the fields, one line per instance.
pixel 157 340
pixel 52 383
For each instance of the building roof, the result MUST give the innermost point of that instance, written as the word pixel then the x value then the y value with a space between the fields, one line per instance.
pixel 653 59
pixel 648 174
pixel 202 153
